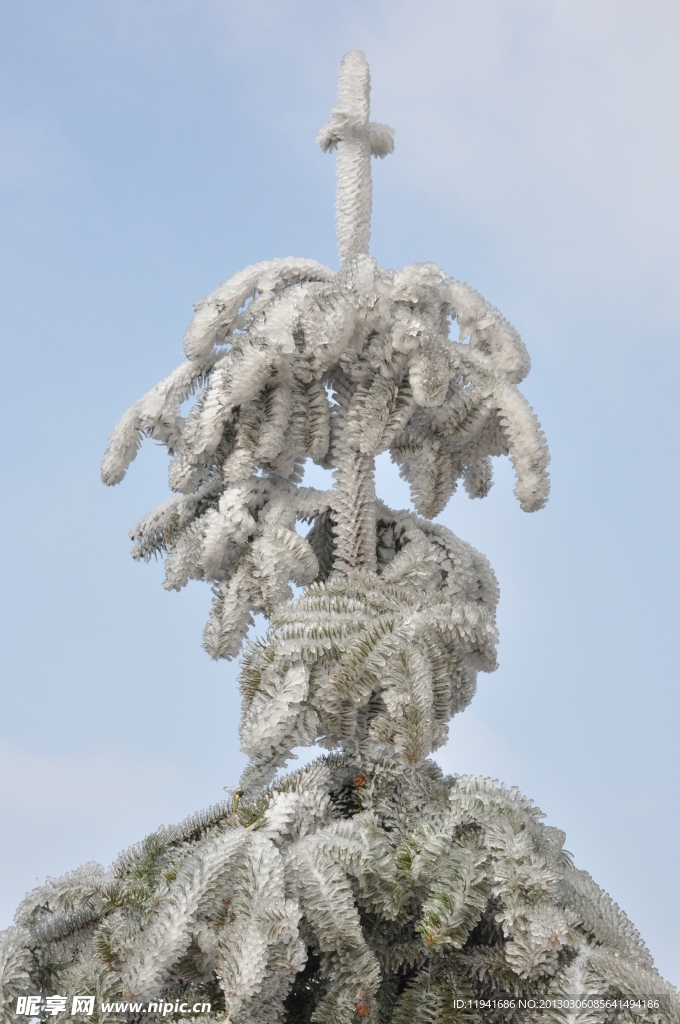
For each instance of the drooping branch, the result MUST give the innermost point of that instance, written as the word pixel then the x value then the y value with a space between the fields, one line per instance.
pixel 350 889
pixel 379 340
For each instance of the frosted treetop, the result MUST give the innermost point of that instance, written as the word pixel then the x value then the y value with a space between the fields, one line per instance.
pixel 356 139
pixel 289 361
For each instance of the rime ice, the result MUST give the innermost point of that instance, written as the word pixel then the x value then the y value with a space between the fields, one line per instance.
pixel 366 885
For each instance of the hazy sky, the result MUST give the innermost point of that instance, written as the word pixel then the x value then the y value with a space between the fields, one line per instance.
pixel 148 150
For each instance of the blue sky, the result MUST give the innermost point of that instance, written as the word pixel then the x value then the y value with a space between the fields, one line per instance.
pixel 148 150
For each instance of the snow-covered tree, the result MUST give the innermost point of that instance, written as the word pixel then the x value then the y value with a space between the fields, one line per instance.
pixel 366 885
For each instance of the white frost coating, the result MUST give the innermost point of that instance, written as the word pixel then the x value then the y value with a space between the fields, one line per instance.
pixel 489 331
pixel 14 970
pixel 406 648
pixel 365 886
pixel 263 923
pixel 378 340
pixel 273 708
pixel 356 140
pixel 289 361
pixel 357 872
pixel 216 317
pixel 156 414
pixel 527 447
pixel 170 931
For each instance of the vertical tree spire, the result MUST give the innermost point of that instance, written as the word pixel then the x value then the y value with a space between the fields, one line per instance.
pixel 356 140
